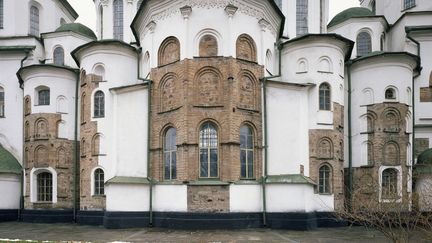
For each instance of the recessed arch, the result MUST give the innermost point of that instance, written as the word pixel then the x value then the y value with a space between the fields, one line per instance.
pixel 368 96
pixel 325 64
pixel 208 86
pixel 169 51
pixel 99 70
pixel 364 42
pixel 302 65
pixel 246 48
pixel 325 148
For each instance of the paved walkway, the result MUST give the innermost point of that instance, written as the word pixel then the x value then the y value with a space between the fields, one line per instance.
pixel 72 232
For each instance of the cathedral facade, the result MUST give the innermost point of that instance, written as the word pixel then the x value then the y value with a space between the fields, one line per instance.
pixel 211 113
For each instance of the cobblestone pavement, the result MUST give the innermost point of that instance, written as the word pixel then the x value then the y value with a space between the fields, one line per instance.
pixel 72 232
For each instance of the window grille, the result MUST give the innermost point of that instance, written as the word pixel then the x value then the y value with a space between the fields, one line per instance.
pixel 44 97
pixel 170 154
pixel 324 179
pixel 118 19
pixel 302 17
pixel 324 97
pixel 59 56
pixel 99 188
pixel 34 21
pixel 208 144
pixel 364 44
pixel 246 152
pixel 389 183
pixel 409 4
pixel 44 187
pixel 99 104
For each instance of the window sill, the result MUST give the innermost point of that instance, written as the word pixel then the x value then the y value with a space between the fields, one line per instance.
pixel 42 105
pixel 97 117
pixel 325 194
pixel 99 196
pixel 41 203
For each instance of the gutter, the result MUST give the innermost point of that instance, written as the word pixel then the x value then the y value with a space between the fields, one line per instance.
pixel 149 168
pixel 76 154
pixel 350 169
pixel 264 178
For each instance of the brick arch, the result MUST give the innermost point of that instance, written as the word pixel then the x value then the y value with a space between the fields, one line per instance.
pixel 325 148
pixel 248 90
pixel 41 156
pixel 169 92
pixel 41 128
pixel 169 51
pixel 246 48
pixel 62 159
pixel 208 46
pixel 391 153
pixel 83 76
pixel 391 120
pixel 208 86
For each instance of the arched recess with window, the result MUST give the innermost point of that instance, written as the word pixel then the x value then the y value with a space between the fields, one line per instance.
pixel 58 56
pixel 43 185
pixel 101 21
pixel 99 104
pixel 170 153
pixel 169 51
pixel 98 143
pixel 364 43
pixel 83 108
pixel 246 48
pixel 325 97
pixel 325 179
pixel 98 181
pixel 391 120
pixel 391 93
pixel 390 184
pixel 118 19
pixel 247 165
pixel 209 150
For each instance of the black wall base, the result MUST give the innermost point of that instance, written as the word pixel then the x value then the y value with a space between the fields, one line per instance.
pixel 8 215
pixel 177 220
pixel 47 216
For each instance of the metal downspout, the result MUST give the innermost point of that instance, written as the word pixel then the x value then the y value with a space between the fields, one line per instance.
pixel 149 176
pixel 264 178
pixel 76 153
pixel 21 201
pixel 350 169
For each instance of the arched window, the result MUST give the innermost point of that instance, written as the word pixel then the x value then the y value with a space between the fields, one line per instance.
pixel 118 19
pixel 324 179
pixel 43 94
pixel 208 144
pixel 34 21
pixel 170 154
pixel 99 104
pixel 139 4
pixel 1 14
pixel 302 17
pixel 324 97
pixel 246 152
pixel 59 56
pixel 44 187
pixel 2 102
pixel 99 188
pixel 389 184
pixel 364 44
pixel 409 4
pixel 390 94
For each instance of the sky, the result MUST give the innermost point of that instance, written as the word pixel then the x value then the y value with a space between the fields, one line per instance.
pixel 87 10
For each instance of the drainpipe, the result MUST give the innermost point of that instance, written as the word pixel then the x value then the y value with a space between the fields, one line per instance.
pixel 21 201
pixel 149 176
pixel 76 154
pixel 264 178
pixel 350 169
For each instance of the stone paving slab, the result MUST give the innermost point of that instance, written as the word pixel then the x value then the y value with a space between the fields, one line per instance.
pixel 80 233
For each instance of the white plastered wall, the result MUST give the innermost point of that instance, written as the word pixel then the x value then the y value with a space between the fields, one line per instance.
pixel 10 191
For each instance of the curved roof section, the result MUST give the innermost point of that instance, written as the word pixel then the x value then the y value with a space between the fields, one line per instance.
pixel 77 28
pixel 350 13
pixel 425 158
pixel 8 163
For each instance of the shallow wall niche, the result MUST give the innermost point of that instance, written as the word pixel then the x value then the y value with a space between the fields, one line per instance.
pixel 246 48
pixel 208 46
pixel 169 92
pixel 247 91
pixel 208 83
pixel 169 51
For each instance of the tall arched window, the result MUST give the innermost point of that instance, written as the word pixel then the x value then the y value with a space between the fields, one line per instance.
pixel 99 104
pixel 170 154
pixel 324 97
pixel 2 102
pixel 324 179
pixel 44 187
pixel 34 21
pixel 118 19
pixel 389 188
pixel 364 44
pixel 246 153
pixel 302 17
pixel 99 188
pixel 101 21
pixel 1 14
pixel 59 56
pixel 208 144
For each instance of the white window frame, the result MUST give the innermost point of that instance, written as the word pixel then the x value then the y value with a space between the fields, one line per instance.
pixel 399 183
pixel 92 181
pixel 33 184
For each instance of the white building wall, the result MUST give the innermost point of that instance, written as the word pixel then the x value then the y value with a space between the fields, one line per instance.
pixel 245 198
pixel 170 198
pixel 10 191
pixel 127 197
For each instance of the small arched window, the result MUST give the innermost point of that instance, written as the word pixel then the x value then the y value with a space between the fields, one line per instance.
pixel 364 44
pixel 324 97
pixel 2 102
pixel 118 19
pixel 34 21
pixel 170 154
pixel 324 179
pixel 1 14
pixel 99 187
pixel 59 56
pixel 44 187
pixel 99 104
pixel 389 184
pixel 246 152
pixel 390 94
pixel 43 96
pixel 208 145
